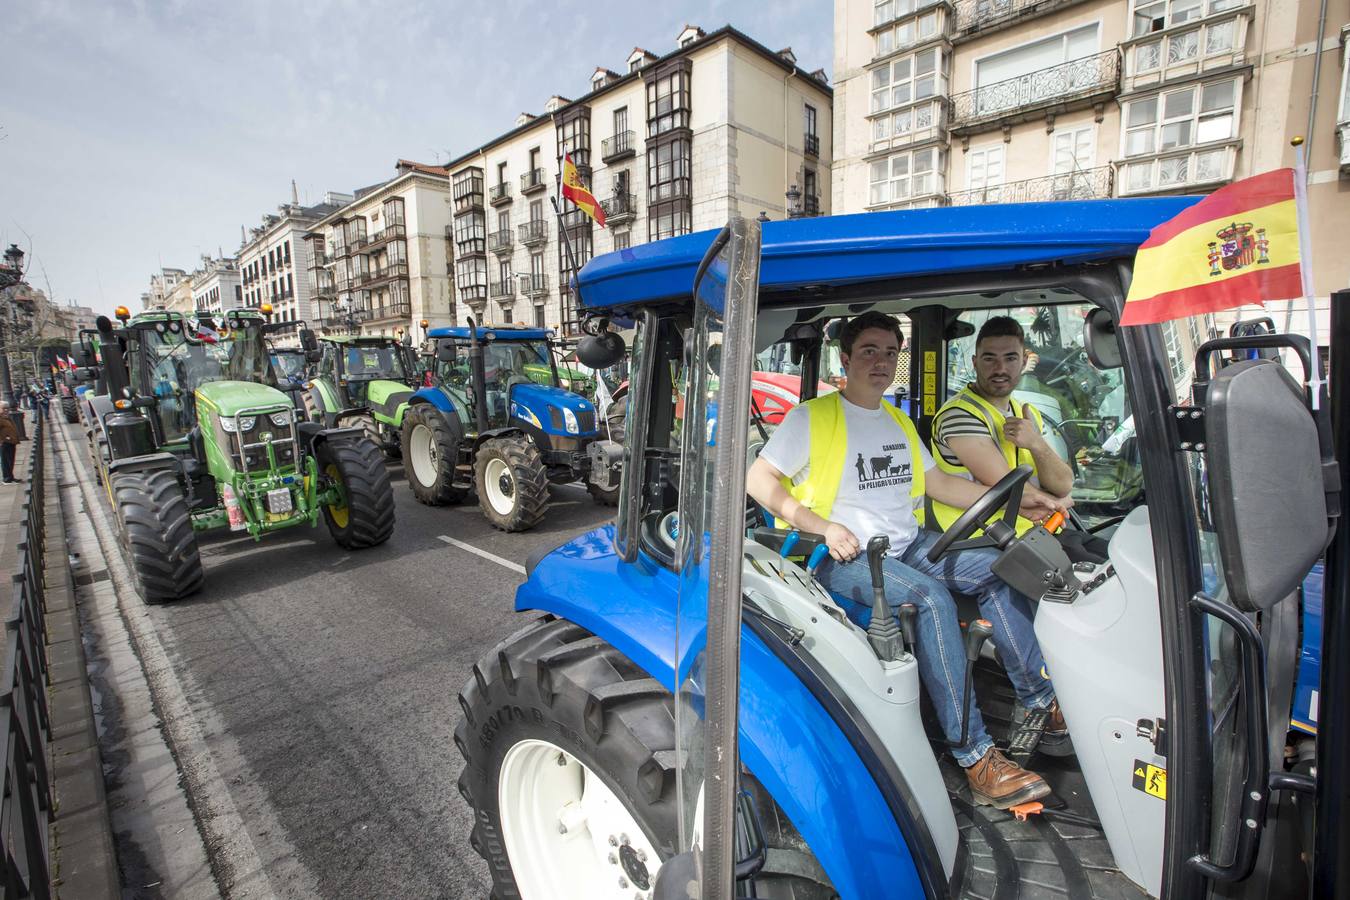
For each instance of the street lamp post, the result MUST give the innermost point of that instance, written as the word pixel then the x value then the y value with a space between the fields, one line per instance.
pixel 11 275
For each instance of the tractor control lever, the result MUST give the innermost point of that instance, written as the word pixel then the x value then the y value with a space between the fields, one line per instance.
pixel 882 632
pixel 817 557
pixel 909 624
pixel 977 633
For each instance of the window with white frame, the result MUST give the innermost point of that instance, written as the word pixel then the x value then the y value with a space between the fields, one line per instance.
pixel 1072 150
pixel 1179 48
pixel 1195 114
pixel 884 11
pixel 1033 57
pixel 904 34
pixel 905 122
pixel 907 79
pixel 1148 16
pixel 905 175
pixel 984 167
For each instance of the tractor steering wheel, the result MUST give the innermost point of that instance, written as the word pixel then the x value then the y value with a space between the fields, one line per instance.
pixel 1005 495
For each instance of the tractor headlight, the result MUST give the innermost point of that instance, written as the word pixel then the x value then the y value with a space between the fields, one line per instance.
pixel 570 420
pixel 565 384
pixel 280 419
pixel 246 423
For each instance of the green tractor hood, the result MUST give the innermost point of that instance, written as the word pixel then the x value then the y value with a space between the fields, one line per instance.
pixel 227 398
pixel 388 400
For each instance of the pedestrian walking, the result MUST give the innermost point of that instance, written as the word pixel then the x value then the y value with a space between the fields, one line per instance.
pixel 10 435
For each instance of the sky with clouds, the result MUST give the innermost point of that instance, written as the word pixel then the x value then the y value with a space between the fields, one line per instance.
pixel 141 134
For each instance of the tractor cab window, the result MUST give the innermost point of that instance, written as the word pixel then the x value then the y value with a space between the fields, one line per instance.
pixel 289 367
pixel 372 363
pixel 1085 412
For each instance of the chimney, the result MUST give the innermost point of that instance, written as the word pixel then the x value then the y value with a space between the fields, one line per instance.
pixel 295 194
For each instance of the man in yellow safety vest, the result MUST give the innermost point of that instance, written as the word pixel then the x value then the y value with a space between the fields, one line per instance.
pixel 848 466
pixel 983 433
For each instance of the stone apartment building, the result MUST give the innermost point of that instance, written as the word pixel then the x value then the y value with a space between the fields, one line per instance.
pixel 274 261
pixel 953 102
pixel 216 286
pixel 669 144
pixel 380 262
pixel 162 285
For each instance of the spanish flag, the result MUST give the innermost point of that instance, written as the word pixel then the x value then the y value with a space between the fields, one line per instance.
pixel 1238 245
pixel 574 190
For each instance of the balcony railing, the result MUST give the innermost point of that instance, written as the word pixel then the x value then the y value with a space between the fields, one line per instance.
pixel 357 243
pixel 810 204
pixel 534 285
pixel 386 273
pixel 534 232
pixel 498 290
pixel 318 259
pixel 619 208
pixel 982 15
pixel 532 181
pixel 380 238
pixel 575 218
pixel 1086 184
pixel 1092 77
pixel 500 241
pixel 499 193
pixel 811 144
pixel 383 311
pixel 619 146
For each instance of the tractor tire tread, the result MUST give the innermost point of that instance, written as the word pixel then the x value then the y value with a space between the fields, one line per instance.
pixel 443 491
pixel 157 533
pixel 370 495
pixel 531 483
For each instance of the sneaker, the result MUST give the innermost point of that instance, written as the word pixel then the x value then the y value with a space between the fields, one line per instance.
pixel 999 782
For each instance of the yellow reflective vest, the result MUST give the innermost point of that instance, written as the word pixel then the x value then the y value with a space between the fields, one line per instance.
pixel 1015 456
pixel 829 452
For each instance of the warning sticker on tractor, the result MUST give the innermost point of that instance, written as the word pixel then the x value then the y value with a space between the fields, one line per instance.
pixel 1150 779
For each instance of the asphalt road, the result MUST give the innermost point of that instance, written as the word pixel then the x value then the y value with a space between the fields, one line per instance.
pixel 324 684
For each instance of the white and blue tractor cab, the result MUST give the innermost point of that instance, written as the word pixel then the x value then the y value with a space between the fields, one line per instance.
pixel 690 713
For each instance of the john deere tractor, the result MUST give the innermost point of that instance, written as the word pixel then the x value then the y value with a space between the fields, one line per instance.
pixel 194 435
pixel 489 426
pixel 360 380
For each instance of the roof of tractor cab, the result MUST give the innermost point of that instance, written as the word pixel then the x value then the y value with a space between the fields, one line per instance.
pixel 493 333
pixel 373 340
pixel 841 250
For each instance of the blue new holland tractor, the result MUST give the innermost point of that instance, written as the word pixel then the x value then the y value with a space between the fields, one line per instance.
pixel 689 713
pixel 496 422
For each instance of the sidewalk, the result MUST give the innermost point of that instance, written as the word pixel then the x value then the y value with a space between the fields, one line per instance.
pixel 83 862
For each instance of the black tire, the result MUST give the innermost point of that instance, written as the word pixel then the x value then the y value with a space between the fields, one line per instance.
pixel 367 517
pixel 156 526
pixel 555 681
pixel 70 408
pixel 444 449
pixel 601 496
pixel 523 482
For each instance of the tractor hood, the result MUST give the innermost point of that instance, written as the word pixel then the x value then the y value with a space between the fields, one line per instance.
pixel 536 403
pixel 388 400
pixel 227 398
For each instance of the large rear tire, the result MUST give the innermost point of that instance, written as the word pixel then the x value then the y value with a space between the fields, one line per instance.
pixel 365 515
pixel 512 483
pixel 157 533
pixel 430 452
pixel 569 753
pixel 70 408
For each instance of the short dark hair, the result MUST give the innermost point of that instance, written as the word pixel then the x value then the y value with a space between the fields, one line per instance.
pixel 860 323
pixel 1001 326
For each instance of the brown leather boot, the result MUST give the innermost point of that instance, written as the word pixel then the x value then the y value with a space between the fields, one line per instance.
pixel 1055 726
pixel 999 782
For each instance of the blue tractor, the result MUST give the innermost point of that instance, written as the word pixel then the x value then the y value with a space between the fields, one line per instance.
pixel 689 713
pixel 495 421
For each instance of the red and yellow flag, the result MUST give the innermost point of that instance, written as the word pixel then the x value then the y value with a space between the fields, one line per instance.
pixel 574 190
pixel 1238 245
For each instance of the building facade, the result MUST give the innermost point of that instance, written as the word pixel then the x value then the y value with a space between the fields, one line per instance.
pixel 955 102
pixel 216 286
pixel 162 285
pixel 274 261
pixel 380 263
pixel 668 145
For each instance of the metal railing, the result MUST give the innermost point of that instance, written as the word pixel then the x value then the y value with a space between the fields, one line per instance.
pixel 499 289
pixel 1057 84
pixel 811 144
pixel 533 232
pixel 622 144
pixel 619 208
pixel 532 180
pixel 534 285
pixel 499 192
pixel 25 724
pixel 1086 184
pixel 499 240
pixel 979 15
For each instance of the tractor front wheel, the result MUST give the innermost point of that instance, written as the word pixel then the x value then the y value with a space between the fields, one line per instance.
pixel 512 483
pixel 157 532
pixel 70 407
pixel 363 515
pixel 603 497
pixel 430 452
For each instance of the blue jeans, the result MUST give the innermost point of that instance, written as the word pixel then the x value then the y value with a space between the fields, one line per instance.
pixel 940 647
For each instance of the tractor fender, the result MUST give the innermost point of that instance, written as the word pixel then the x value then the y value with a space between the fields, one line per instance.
pixel 805 744
pixel 150 462
pixel 99 406
pixel 315 435
pixel 434 397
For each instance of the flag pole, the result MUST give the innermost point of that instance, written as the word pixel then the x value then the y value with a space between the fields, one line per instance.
pixel 1305 263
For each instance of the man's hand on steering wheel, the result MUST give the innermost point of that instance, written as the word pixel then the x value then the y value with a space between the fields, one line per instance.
pixel 1006 496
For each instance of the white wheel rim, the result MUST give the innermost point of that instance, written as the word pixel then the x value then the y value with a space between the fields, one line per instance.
pixel 569 837
pixel 494 473
pixel 425 464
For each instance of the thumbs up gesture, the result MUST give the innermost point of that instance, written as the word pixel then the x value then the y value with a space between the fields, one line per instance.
pixel 1022 432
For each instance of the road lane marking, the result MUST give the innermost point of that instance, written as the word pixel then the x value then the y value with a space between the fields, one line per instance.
pixel 514 567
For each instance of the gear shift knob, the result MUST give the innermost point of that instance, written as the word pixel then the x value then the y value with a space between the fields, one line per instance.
pixel 882 632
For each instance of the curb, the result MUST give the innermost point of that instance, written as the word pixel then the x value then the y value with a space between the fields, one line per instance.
pixel 84 861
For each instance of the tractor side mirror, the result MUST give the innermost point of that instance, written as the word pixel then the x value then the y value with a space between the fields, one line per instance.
pixel 1270 517
pixel 313 356
pixel 310 343
pixel 602 351
pixel 1099 340
pixel 446 351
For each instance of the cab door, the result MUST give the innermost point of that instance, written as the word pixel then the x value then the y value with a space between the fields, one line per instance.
pixel 718 352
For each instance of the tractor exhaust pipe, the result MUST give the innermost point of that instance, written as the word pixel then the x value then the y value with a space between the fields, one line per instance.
pixel 479 375
pixel 114 364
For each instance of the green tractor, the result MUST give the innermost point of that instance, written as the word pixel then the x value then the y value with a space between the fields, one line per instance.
pixel 194 435
pixel 362 381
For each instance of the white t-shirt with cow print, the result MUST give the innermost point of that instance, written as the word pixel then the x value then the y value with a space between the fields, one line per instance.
pixel 873 496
